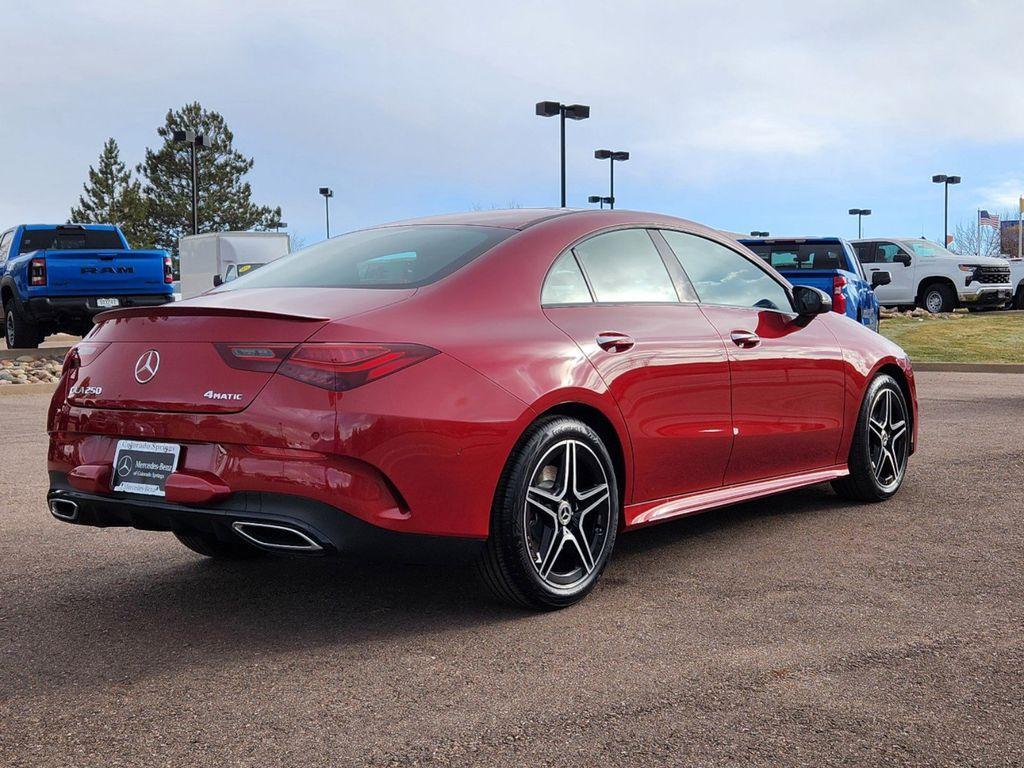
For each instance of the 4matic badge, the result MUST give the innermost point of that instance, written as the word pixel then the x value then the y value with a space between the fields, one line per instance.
pixel 211 395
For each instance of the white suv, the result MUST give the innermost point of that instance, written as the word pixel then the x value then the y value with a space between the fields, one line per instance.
pixel 925 274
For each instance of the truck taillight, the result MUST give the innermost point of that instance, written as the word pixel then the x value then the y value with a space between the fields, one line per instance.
pixel 37 271
pixel 168 270
pixel 838 298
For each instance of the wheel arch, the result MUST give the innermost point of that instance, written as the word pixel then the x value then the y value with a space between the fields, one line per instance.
pixel 597 420
pixel 941 279
pixel 892 369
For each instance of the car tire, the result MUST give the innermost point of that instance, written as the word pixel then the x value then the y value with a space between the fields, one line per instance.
pixel 1018 298
pixel 550 538
pixel 19 332
pixel 938 297
pixel 210 546
pixel 881 444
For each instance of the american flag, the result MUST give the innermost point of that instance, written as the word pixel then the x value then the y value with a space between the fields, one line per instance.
pixel 986 219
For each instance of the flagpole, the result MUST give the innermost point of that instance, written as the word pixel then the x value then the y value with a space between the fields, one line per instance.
pixel 1020 220
pixel 977 230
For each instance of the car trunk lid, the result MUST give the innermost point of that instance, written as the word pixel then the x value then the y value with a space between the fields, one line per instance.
pixel 178 357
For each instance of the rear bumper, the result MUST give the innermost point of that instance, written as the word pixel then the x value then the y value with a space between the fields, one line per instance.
pixel 42 309
pixel 334 531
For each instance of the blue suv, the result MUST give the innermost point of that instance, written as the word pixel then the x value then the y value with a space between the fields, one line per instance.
pixel 829 264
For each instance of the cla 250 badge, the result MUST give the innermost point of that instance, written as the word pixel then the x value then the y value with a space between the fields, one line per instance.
pixel 211 395
pixel 78 390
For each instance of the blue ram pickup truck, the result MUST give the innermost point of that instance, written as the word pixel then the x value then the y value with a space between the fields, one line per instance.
pixel 54 278
pixel 829 264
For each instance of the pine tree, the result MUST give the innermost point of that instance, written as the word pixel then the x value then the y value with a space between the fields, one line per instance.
pixel 225 197
pixel 113 196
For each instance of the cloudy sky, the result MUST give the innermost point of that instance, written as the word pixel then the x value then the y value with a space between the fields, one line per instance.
pixel 741 115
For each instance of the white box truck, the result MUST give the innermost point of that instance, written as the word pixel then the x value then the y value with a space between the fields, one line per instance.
pixel 225 256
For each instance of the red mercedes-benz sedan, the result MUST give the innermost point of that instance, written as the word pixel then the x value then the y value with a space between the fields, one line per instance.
pixel 522 385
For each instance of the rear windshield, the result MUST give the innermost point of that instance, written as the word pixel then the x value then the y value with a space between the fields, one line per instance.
pixel 390 257
pixel 798 256
pixel 70 240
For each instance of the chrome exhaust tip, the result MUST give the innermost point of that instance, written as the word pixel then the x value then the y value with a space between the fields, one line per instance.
pixel 275 537
pixel 64 509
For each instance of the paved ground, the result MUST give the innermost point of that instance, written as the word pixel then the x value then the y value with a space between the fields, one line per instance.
pixel 800 630
pixel 57 340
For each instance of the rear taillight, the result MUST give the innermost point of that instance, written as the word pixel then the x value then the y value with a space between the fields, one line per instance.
pixel 340 367
pixel 254 357
pixel 37 271
pixel 168 270
pixel 337 367
pixel 83 353
pixel 838 297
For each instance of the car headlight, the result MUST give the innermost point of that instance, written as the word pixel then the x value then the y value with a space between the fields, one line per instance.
pixel 968 267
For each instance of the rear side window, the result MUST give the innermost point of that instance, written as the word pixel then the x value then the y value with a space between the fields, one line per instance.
pixel 565 283
pixel 70 239
pixel 803 256
pixel 5 244
pixel 865 252
pixel 625 266
pixel 720 275
pixel 390 257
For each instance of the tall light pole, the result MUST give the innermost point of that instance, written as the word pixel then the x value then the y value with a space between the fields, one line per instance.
pixel 612 157
pixel 571 111
pixel 601 200
pixel 194 140
pixel 328 193
pixel 859 212
pixel 945 180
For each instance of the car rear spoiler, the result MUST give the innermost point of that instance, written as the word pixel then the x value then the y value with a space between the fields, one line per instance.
pixel 173 310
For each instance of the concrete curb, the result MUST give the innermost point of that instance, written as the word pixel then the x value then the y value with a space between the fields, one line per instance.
pixel 42 352
pixel 969 367
pixel 28 389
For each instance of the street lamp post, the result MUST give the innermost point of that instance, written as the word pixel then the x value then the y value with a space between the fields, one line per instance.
pixel 601 200
pixel 571 111
pixel 278 225
pixel 328 193
pixel 945 180
pixel 759 233
pixel 860 212
pixel 194 140
pixel 612 157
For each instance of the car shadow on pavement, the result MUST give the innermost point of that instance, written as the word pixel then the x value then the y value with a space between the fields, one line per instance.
pixel 120 621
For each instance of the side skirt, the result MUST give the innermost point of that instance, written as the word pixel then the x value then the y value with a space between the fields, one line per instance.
pixel 648 512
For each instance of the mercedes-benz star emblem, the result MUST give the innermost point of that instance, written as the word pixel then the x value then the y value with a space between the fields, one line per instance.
pixel 124 467
pixel 146 366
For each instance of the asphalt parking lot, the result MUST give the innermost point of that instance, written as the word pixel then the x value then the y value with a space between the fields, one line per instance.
pixel 798 630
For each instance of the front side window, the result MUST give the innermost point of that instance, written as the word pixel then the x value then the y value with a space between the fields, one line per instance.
pixel 565 284
pixel 389 257
pixel 625 266
pixel 886 253
pixel 720 275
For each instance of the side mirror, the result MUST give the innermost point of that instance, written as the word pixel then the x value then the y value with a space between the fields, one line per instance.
pixel 218 281
pixel 881 277
pixel 903 258
pixel 808 301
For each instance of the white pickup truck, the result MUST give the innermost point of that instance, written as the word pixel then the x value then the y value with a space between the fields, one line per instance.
pixel 925 274
pixel 1017 281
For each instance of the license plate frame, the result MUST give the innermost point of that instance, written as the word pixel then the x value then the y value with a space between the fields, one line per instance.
pixel 108 303
pixel 142 466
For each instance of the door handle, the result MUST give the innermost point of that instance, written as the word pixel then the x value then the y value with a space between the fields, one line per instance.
pixel 611 341
pixel 745 339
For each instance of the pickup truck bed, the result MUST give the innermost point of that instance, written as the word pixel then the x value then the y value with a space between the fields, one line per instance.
pixel 56 278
